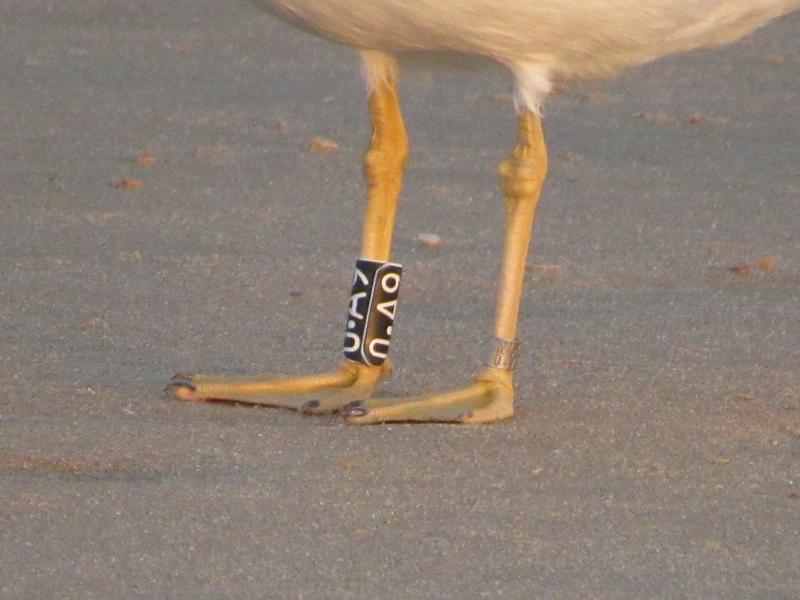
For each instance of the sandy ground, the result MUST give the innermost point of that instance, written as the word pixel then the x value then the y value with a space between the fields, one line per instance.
pixel 656 448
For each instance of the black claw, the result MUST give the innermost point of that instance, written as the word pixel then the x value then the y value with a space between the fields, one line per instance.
pixel 181 377
pixel 309 406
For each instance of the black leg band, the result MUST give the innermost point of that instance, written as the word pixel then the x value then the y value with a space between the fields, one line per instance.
pixel 370 317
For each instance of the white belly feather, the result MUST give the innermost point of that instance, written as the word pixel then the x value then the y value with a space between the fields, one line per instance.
pixel 538 39
pixel 583 38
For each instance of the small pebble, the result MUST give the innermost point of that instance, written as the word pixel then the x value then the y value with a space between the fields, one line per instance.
pixel 321 144
pixel 701 119
pixel 129 184
pixel 741 269
pixel 347 464
pixel 429 240
pixel 768 263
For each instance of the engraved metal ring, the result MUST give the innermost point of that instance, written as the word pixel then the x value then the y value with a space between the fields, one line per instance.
pixel 504 354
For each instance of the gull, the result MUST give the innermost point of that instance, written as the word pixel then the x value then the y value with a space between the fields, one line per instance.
pixel 540 42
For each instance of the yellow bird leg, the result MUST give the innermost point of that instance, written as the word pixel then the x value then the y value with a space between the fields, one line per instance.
pixel 491 397
pixel 521 175
pixel 384 163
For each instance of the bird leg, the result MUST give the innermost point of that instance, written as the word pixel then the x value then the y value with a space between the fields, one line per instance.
pixel 491 397
pixel 384 164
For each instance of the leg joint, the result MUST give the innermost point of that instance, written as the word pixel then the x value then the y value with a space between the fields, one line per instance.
pixel 522 175
pixel 382 160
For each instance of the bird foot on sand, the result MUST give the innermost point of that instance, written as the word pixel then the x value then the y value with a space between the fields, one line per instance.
pixel 489 399
pixel 313 394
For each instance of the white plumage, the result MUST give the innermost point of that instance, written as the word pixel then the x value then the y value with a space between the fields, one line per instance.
pixel 539 40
